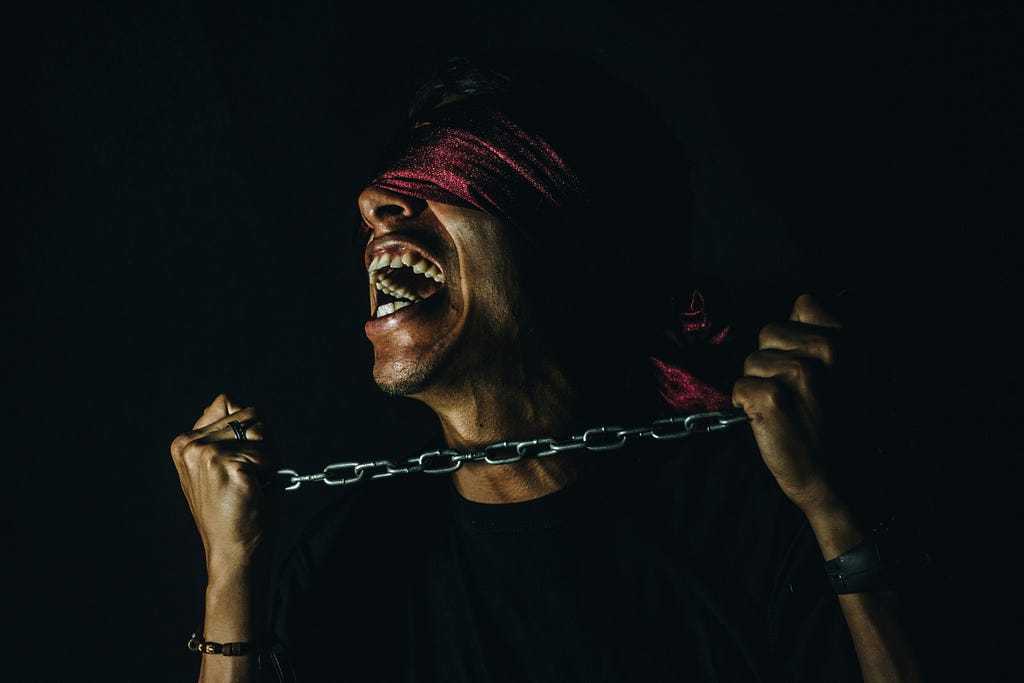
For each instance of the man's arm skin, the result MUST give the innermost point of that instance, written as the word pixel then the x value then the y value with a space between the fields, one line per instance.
pixel 781 391
pixel 219 475
pixel 878 637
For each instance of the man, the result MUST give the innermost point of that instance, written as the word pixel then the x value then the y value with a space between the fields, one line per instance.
pixel 493 251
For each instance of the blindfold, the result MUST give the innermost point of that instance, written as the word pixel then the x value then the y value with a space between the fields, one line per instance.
pixel 467 154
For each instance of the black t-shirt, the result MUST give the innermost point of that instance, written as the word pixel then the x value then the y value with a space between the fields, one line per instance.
pixel 664 561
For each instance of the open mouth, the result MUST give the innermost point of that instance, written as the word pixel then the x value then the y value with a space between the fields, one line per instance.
pixel 402 277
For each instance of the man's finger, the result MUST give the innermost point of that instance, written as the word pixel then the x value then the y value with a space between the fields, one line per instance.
pixel 792 368
pixel 251 451
pixel 218 408
pixel 766 400
pixel 246 415
pixel 250 429
pixel 808 310
pixel 809 341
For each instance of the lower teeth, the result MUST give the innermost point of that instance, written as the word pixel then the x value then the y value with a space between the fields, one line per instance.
pixel 388 309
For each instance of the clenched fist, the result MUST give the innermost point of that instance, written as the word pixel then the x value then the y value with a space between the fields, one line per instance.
pixel 789 385
pixel 220 474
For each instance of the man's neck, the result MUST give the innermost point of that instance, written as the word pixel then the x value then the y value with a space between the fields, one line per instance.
pixel 542 406
pixel 516 482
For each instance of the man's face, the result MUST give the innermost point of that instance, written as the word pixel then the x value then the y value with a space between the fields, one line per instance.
pixel 445 305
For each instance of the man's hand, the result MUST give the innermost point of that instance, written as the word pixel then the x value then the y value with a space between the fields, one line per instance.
pixel 784 392
pixel 220 476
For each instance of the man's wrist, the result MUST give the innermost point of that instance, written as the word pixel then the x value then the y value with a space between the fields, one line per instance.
pixel 237 564
pixel 834 526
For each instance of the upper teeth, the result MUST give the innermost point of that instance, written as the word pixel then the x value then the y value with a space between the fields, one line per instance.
pixel 383 283
pixel 419 265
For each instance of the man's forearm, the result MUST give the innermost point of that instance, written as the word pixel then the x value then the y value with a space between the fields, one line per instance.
pixel 882 647
pixel 233 614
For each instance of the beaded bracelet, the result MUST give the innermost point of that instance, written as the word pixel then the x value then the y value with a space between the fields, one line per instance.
pixel 206 647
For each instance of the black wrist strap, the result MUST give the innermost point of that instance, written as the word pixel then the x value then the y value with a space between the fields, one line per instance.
pixel 860 570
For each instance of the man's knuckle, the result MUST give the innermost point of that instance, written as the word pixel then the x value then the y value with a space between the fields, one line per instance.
pixel 195 453
pixel 750 364
pixel 768 334
pixel 804 304
pixel 795 368
pixel 179 443
pixel 822 348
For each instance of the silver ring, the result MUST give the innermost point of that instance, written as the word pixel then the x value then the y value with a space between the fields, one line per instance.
pixel 239 429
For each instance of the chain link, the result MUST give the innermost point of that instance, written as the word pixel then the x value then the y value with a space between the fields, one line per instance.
pixel 596 439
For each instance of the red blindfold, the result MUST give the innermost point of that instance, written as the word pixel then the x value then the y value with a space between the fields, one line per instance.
pixel 470 155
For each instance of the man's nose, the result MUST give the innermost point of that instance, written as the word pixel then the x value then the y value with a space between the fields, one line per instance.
pixel 383 210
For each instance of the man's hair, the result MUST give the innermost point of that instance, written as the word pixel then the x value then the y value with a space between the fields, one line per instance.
pixel 605 273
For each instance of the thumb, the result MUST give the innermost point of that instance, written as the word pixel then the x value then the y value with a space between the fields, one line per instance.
pixel 807 309
pixel 221 407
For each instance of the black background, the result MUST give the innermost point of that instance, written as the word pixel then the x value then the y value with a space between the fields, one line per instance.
pixel 182 182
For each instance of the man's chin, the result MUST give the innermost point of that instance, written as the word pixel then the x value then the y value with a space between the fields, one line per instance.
pixel 402 379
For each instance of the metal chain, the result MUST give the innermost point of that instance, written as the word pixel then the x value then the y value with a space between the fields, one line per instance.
pixel 504 452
